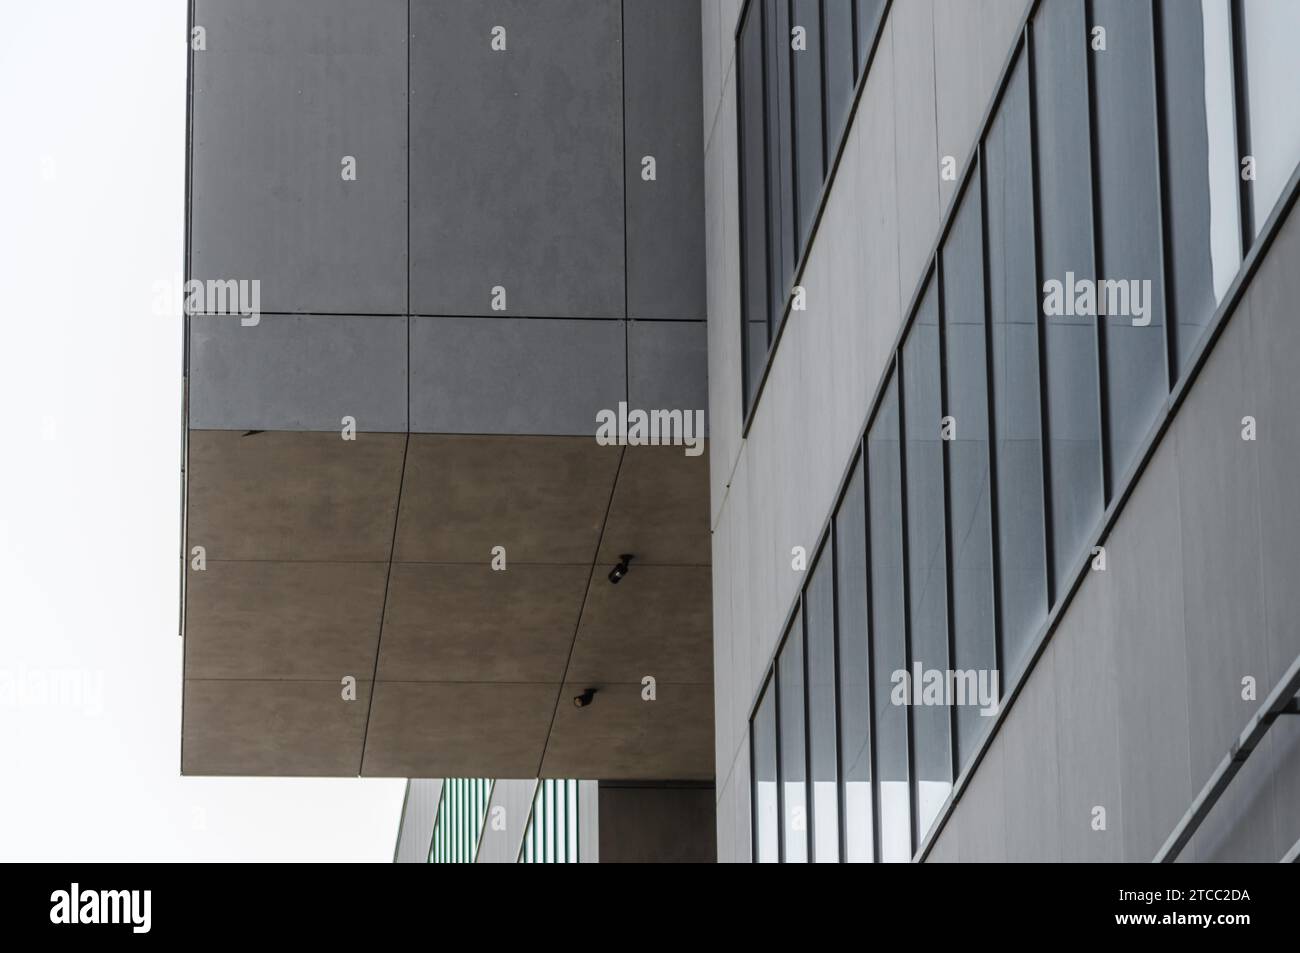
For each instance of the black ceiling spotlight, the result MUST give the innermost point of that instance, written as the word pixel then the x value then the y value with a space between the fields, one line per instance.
pixel 585 699
pixel 619 571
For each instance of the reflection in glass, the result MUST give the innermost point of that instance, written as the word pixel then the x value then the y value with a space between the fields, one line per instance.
pixel 1129 223
pixel 819 622
pixel 855 669
pixel 766 850
pixel 1204 251
pixel 969 482
pixel 926 554
pixel 1065 226
pixel 792 757
pixel 889 645
pixel 1273 77
pixel 1013 330
pixel 807 84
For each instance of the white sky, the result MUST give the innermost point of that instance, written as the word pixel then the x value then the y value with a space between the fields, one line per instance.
pixel 92 154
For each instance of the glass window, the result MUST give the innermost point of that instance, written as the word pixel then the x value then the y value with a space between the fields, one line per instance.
pixel 753 187
pixel 780 158
pixel 1065 217
pixel 1273 76
pixel 889 636
pixel 837 32
pixel 807 78
pixel 1013 332
pixel 1204 251
pixel 855 669
pixel 927 565
pixel 1131 292
pixel 766 850
pixel 819 625
pixel 867 24
pixel 969 481
pixel 792 756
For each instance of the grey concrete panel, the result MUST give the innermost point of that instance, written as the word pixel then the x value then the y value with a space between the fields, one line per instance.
pixel 1087 724
pixel 283 92
pixel 656 824
pixel 711 59
pixel 1150 658
pixel 659 511
pixel 723 263
pixel 668 366
pixel 911 25
pixel 728 728
pixel 724 828
pixel 1276 341
pixel 514 376
pixel 542 498
pixel 982 824
pixel 960 97
pixel 741 779
pixel 621 737
pixel 306 620
pixel 656 622
pixel 516 158
pixel 272 728
pixel 288 496
pixel 665 217
pixel 1223 597
pixel 457 730
pixel 1284 738
pixel 469 623
pixel 296 372
pixel 1241 828
pixel 945 850
pixel 1031 786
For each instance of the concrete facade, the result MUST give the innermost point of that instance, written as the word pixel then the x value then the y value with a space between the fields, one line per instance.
pixel 462 254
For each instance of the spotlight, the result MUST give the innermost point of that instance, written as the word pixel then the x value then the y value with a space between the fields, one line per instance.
pixel 618 572
pixel 585 699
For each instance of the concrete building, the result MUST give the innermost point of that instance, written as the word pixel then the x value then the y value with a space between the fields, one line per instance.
pixel 990 554
pixel 429 244
pixel 909 207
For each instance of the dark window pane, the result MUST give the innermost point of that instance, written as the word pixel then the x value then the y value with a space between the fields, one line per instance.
pixel 969 485
pixel 926 555
pixel 765 799
pixel 855 669
pixel 819 622
pixel 794 770
pixel 780 161
pixel 1065 216
pixel 807 70
pixel 868 23
pixel 888 635
pixel 1131 295
pixel 753 190
pixel 837 30
pixel 1013 327
pixel 1273 76
pixel 1200 170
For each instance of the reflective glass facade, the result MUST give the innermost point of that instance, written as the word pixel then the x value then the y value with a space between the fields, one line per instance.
pixel 798 63
pixel 1098 229
pixel 551 836
pixel 461 814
